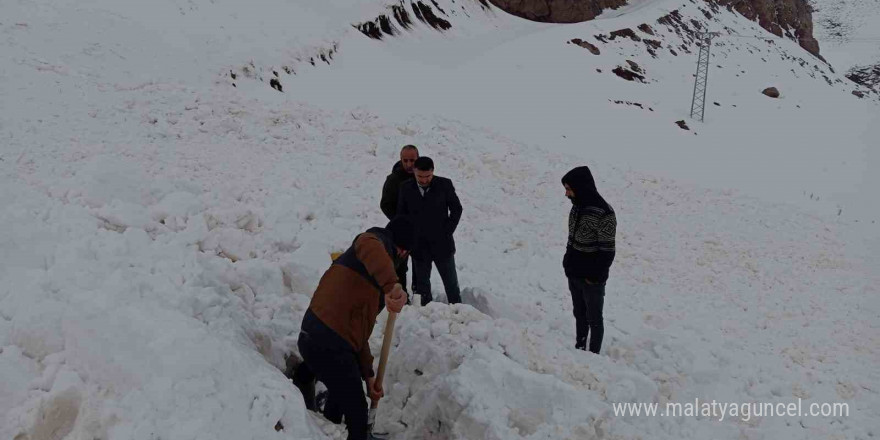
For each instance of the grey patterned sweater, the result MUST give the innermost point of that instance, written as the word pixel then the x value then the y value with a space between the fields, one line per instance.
pixel 590 249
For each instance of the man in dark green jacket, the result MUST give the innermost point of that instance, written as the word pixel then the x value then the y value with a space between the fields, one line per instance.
pixel 401 172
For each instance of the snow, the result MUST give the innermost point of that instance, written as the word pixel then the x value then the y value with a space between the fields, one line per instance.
pixel 164 230
pixel 847 31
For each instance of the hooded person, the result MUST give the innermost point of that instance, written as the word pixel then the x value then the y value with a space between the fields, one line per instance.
pixel 592 226
pixel 334 337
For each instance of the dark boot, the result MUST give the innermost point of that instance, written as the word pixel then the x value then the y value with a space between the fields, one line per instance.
pixel 321 401
pixel 304 379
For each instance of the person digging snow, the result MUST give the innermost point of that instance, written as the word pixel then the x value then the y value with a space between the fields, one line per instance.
pixel 335 331
pixel 592 226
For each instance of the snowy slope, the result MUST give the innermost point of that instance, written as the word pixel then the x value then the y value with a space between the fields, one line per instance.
pixel 165 230
pixel 848 31
pixel 567 96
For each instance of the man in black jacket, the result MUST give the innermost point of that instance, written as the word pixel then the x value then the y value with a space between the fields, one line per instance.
pixel 592 226
pixel 430 201
pixel 400 172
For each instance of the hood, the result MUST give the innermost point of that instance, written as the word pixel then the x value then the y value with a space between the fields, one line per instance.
pixel 581 180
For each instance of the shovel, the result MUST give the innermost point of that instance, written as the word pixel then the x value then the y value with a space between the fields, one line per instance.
pixel 380 373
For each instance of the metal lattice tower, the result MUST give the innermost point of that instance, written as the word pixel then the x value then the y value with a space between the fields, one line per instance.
pixel 698 103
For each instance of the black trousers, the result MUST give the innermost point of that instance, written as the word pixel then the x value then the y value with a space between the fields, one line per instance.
pixel 588 300
pixel 338 370
pixel 446 268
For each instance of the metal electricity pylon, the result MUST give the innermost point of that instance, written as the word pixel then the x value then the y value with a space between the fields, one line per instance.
pixel 698 103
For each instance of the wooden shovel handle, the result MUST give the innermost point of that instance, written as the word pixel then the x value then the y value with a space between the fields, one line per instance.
pixel 386 350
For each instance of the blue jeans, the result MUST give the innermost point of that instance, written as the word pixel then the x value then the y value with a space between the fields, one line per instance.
pixel 446 268
pixel 588 300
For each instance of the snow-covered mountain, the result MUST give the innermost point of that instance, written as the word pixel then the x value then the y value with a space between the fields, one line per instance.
pixel 175 173
pixel 852 39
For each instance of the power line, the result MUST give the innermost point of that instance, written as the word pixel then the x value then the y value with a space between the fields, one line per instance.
pixel 701 79
pixel 794 39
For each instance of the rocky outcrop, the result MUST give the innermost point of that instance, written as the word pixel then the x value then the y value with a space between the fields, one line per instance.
pixel 868 76
pixel 557 11
pixel 586 45
pixel 772 92
pixel 633 72
pixel 390 25
pixel 646 28
pixel 783 18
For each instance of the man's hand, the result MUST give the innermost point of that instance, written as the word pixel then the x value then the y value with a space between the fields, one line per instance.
pixel 374 392
pixel 395 299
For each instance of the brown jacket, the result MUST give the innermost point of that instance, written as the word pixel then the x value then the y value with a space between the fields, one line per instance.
pixel 348 302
